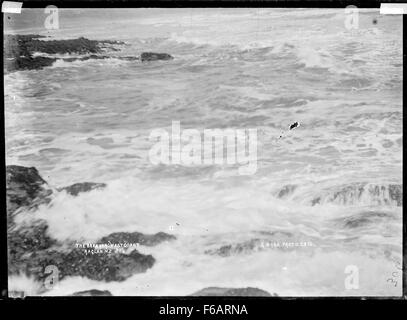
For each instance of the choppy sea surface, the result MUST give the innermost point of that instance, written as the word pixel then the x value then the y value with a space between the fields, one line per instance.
pixel 325 183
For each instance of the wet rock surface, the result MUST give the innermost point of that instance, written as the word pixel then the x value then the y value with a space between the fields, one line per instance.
pixel 234 249
pixel 232 292
pixel 77 188
pixel 137 237
pixel 373 194
pixel 25 188
pixel 152 56
pixel 100 267
pixel 26 52
pixel 19 50
pixel 286 191
pixel 31 248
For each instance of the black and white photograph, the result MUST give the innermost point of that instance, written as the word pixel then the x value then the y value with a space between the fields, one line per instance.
pixel 190 152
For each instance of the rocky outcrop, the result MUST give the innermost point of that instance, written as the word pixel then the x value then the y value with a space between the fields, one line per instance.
pixel 26 239
pixel 27 63
pixel 100 267
pixel 232 292
pixel 19 50
pixel 77 188
pixel 363 219
pixel 25 189
pixel 31 249
pixel 25 45
pixel 361 193
pixel 93 293
pixel 152 56
pixel 26 52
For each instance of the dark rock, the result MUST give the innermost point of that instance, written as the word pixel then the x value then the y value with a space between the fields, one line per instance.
pixel 396 193
pixel 286 190
pixel 232 292
pixel 316 201
pixel 26 45
pixel 25 188
pixel 19 50
pixel 137 237
pixel 28 63
pixel 25 240
pixel 151 56
pixel 93 293
pixel 96 266
pixel 77 188
pixel 31 249
pixel 129 58
pixel 352 194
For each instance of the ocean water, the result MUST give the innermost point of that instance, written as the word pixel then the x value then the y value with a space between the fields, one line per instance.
pixel 325 183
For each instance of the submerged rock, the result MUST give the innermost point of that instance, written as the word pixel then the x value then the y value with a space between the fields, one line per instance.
pixel 137 237
pixel 151 56
pixel 93 293
pixel 29 238
pixel 28 63
pixel 361 193
pixel 77 188
pixel 275 240
pixel 232 292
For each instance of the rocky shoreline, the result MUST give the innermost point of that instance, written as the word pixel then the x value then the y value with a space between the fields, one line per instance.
pixel 33 52
pixel 31 248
